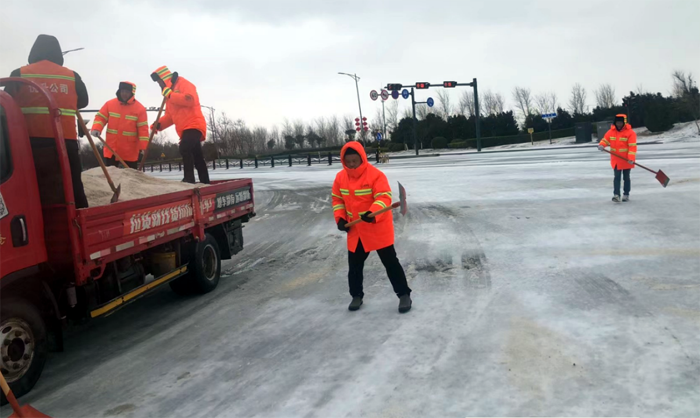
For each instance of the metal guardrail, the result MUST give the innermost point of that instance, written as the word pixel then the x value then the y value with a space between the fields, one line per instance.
pixel 241 163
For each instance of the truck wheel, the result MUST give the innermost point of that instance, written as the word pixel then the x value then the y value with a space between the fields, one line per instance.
pixel 205 269
pixel 23 346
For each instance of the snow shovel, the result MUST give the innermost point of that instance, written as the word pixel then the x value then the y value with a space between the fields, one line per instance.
pixel 401 203
pixel 113 152
pixel 26 411
pixel 660 175
pixel 153 132
pixel 116 190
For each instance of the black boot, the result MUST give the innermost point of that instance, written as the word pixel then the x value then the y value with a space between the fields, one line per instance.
pixel 355 304
pixel 405 303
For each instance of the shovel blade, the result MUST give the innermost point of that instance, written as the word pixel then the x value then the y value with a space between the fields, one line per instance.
pixel 662 178
pixel 28 411
pixel 115 196
pixel 402 200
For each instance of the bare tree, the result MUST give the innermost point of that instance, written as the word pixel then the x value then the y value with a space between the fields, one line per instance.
pixel 685 88
pixel 335 133
pixel 422 111
pixel 392 113
pixel 259 138
pixel 523 101
pixel 444 104
pixel 466 103
pixel 605 96
pixel 274 136
pixel 492 103
pixel 546 103
pixel 577 102
pixel 407 114
pixel 640 89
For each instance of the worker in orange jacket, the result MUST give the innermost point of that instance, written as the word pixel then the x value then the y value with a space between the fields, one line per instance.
pixel 127 126
pixel 360 189
pixel 622 141
pixel 69 92
pixel 183 110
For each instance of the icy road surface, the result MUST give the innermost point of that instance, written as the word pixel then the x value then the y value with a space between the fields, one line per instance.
pixel 533 295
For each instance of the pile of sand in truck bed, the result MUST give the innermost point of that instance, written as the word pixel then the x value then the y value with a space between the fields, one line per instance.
pixel 135 185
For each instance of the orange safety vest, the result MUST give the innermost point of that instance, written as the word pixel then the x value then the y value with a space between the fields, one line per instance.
pixel 127 127
pixel 623 144
pixel 360 190
pixel 182 107
pixel 60 82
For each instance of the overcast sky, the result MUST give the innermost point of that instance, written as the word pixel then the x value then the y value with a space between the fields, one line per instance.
pixel 266 60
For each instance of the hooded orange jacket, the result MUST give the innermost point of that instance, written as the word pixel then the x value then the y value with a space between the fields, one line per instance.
pixel 622 143
pixel 356 191
pixel 127 126
pixel 182 107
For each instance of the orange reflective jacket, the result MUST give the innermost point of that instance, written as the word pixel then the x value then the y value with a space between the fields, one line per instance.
pixel 623 144
pixel 182 107
pixel 127 126
pixel 60 82
pixel 356 191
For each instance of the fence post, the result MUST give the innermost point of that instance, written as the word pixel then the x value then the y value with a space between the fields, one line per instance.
pixel 170 166
pixel 213 165
pixel 290 160
pixel 227 163
pixel 241 163
pixel 161 167
pixel 151 168
pixel 309 160
pixel 256 161
pixel 179 166
pixel 377 153
pixel 330 159
pixel 272 161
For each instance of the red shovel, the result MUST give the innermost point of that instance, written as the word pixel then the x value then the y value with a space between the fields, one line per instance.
pixel 26 411
pixel 401 203
pixel 660 175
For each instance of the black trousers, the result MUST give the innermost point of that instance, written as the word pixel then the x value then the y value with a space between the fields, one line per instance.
pixel 356 262
pixel 616 182
pixel 113 162
pixel 192 157
pixel 48 175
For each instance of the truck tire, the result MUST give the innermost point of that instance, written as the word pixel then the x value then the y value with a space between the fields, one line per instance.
pixel 205 269
pixel 23 345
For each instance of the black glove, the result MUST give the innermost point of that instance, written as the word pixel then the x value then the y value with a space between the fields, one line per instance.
pixel 173 80
pixel 341 225
pixel 365 217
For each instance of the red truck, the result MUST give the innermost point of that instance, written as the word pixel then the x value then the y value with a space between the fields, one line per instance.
pixel 59 263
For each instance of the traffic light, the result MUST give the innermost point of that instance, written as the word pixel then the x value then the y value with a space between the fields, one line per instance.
pixel 422 85
pixel 449 84
pixel 393 87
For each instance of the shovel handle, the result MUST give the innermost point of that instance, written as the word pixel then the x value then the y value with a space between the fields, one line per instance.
pixel 635 163
pixel 10 397
pixel 97 153
pixel 372 215
pixel 113 152
pixel 153 132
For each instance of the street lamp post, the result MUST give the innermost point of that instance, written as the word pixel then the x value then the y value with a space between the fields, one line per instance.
pixel 357 88
pixel 72 50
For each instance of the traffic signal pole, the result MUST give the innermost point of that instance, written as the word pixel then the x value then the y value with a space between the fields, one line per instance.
pixel 415 121
pixel 476 115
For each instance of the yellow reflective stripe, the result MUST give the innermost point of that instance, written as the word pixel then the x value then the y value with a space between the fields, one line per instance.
pixel 167 92
pixel 127 117
pixel 624 139
pixel 632 144
pixel 345 192
pixel 380 203
pixel 623 149
pixel 363 192
pixel 98 122
pixel 101 115
pixel 143 138
pixel 338 207
pixel 606 141
pixel 335 195
pixel 52 76
pixel 383 194
pixel 613 149
pixel 35 110
pixel 140 124
pixel 129 133
pixel 613 138
pixel 112 131
pixel 115 115
pixel 632 153
pixel 67 112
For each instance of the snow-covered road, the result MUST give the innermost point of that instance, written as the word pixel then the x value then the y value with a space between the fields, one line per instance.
pixel 534 295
